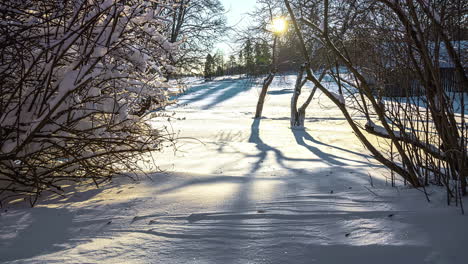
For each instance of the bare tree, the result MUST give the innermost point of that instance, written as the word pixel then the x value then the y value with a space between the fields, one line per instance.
pixel 376 42
pixel 265 14
pixel 196 25
pixel 298 114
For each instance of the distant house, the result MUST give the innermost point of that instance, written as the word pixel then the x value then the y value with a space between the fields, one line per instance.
pixel 401 82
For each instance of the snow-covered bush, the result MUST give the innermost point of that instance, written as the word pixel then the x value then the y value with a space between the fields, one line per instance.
pixel 74 74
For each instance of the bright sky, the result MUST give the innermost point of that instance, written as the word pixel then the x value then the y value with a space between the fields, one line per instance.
pixel 237 10
pixel 236 15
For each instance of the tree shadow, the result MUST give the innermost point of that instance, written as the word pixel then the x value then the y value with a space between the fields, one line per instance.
pixel 207 180
pixel 311 119
pixel 230 92
pixel 52 226
pixel 301 226
pixel 302 135
pixel 264 149
pixel 282 91
pixel 227 89
pixel 206 90
pixel 47 232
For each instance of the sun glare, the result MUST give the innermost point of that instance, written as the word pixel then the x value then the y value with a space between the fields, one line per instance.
pixel 279 25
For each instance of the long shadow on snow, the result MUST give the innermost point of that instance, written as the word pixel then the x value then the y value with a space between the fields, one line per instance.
pixel 34 241
pixel 49 230
pixel 206 90
pixel 282 91
pixel 235 88
pixel 219 235
pixel 302 135
pixel 265 148
pixel 299 136
pixel 227 89
pixel 208 180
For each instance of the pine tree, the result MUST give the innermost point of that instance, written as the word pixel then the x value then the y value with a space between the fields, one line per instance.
pixel 248 55
pixel 232 64
pixel 241 62
pixel 208 72
pixel 258 58
pixel 262 57
pixel 266 55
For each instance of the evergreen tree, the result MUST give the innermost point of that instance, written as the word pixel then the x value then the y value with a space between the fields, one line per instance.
pixel 266 54
pixel 241 61
pixel 249 58
pixel 258 58
pixel 262 57
pixel 232 64
pixel 219 63
pixel 208 72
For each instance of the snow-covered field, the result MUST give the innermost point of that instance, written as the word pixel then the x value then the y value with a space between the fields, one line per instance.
pixel 244 191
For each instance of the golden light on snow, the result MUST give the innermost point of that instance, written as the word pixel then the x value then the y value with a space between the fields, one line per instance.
pixel 279 25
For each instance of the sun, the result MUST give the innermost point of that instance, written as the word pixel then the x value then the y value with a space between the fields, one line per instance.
pixel 279 25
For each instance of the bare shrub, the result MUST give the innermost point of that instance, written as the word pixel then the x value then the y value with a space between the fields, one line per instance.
pixel 392 53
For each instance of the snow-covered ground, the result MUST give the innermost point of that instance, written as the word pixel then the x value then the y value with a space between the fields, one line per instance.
pixel 244 191
pixel 458 100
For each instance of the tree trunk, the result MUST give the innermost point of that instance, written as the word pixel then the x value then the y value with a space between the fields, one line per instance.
pixel 298 115
pixel 295 119
pixel 267 82
pixel 261 98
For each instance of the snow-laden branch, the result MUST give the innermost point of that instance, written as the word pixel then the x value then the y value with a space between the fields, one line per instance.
pixel 73 77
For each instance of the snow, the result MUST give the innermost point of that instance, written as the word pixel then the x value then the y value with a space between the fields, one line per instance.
pixel 380 129
pixel 239 190
pixel 338 97
pixel 459 101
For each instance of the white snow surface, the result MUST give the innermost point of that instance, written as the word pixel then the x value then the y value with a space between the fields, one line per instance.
pixel 240 190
